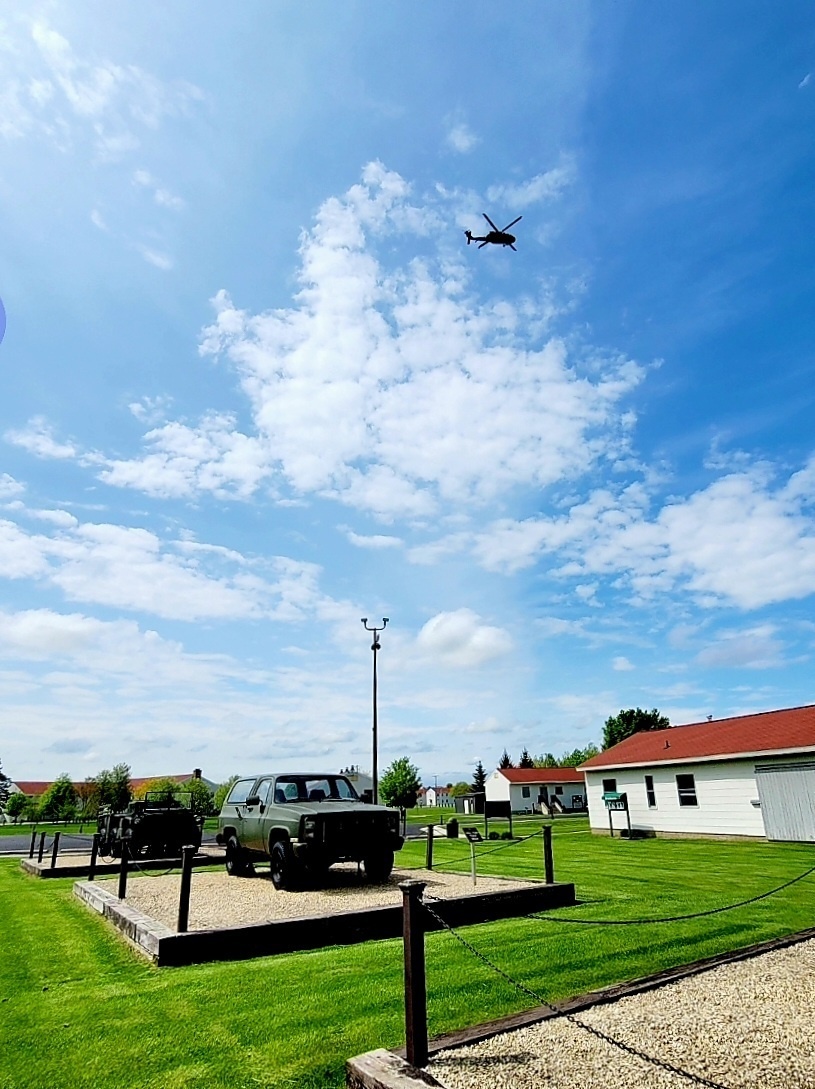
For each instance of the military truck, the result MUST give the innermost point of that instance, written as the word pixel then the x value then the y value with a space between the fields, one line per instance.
pixel 157 826
pixel 303 822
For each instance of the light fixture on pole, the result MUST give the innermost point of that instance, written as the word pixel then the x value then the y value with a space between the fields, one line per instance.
pixel 375 648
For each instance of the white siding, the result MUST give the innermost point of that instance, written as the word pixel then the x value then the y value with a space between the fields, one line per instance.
pixel 496 788
pixel 725 791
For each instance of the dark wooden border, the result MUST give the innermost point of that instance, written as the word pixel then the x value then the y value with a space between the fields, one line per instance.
pixel 318 931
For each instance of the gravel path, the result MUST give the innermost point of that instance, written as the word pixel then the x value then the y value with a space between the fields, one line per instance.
pixel 218 900
pixel 747 1025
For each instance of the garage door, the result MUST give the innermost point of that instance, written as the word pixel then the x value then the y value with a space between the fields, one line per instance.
pixel 787 796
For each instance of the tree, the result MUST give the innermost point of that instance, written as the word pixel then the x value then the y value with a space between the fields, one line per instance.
pixel 163 786
pixel 526 760
pixel 221 792
pixel 548 760
pixel 17 805
pixel 5 787
pixel 619 727
pixel 457 789
pixel 505 761
pixel 400 784
pixel 479 779
pixel 59 801
pixel 114 787
pixel 200 797
pixel 577 757
pixel 88 798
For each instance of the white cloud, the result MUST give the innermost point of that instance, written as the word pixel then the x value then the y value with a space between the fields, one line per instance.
pixel 163 197
pixel 542 187
pixel 752 648
pixel 9 487
pixel 52 91
pixel 622 664
pixel 38 439
pixel 375 541
pixel 460 639
pixel 461 138
pixel 805 82
pixel 156 258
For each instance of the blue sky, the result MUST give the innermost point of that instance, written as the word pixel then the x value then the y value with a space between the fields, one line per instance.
pixel 256 386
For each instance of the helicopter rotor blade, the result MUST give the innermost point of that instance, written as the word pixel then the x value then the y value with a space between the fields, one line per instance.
pixel 512 247
pixel 512 224
pixel 484 214
pixel 483 244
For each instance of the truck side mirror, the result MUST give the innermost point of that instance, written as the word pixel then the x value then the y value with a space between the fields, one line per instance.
pixel 254 800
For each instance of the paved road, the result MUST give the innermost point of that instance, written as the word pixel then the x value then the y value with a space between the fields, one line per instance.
pixel 20 845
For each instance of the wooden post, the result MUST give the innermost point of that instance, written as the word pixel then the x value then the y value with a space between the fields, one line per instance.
pixel 415 982
pixel 428 862
pixel 123 871
pixel 628 818
pixel 610 824
pixel 55 851
pixel 94 855
pixel 33 840
pixel 42 845
pixel 548 862
pixel 187 854
pixel 510 825
pixel 472 860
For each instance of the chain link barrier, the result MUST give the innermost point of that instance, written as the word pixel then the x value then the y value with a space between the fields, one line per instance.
pixel 698 1079
pixel 674 918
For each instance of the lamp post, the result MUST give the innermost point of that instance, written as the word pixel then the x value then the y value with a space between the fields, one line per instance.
pixel 375 648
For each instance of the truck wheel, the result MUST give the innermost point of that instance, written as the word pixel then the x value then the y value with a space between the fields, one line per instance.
pixel 378 866
pixel 283 867
pixel 236 862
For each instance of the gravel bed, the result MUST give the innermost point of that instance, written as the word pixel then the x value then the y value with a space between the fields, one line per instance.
pixel 218 900
pixel 747 1025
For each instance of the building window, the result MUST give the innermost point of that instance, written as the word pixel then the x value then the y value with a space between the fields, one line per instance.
pixel 686 789
pixel 650 793
pixel 609 786
pixel 525 791
pixel 558 790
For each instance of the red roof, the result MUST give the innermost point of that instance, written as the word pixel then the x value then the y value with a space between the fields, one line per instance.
pixel 542 775
pixel 789 730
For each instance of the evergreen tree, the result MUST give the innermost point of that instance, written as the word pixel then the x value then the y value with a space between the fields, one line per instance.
pixel 479 779
pixel 505 761
pixel 526 760
pixel 619 727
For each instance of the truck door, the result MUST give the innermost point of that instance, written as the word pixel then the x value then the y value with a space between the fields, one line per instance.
pixel 252 826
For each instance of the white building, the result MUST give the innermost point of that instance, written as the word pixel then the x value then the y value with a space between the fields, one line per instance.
pixel 753 775
pixel 439 796
pixel 535 790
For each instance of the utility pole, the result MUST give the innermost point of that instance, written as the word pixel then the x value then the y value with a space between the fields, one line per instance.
pixel 375 648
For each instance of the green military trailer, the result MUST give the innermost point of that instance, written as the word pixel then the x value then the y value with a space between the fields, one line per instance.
pixel 157 826
pixel 302 823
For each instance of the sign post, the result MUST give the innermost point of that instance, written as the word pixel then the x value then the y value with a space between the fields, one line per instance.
pixel 615 801
pixel 474 836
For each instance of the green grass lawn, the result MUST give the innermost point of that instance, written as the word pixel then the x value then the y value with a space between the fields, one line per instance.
pixel 78 1009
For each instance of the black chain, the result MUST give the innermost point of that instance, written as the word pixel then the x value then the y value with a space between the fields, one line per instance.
pixel 673 918
pixel 700 1079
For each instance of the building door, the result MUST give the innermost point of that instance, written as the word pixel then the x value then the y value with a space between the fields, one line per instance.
pixel 787 796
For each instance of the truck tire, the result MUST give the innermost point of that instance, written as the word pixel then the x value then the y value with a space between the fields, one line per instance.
pixel 237 865
pixel 283 867
pixel 378 866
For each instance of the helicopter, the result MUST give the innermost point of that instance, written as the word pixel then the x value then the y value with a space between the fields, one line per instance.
pixel 498 238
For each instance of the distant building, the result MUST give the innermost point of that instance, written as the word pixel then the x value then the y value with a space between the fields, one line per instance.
pixel 35 788
pixel 751 775
pixel 538 790
pixel 361 781
pixel 439 796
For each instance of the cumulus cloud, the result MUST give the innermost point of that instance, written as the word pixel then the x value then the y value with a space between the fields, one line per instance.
pixel 376 540
pixel 390 388
pixel 461 640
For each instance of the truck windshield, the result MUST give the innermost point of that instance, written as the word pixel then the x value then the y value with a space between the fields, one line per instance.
pixel 302 788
